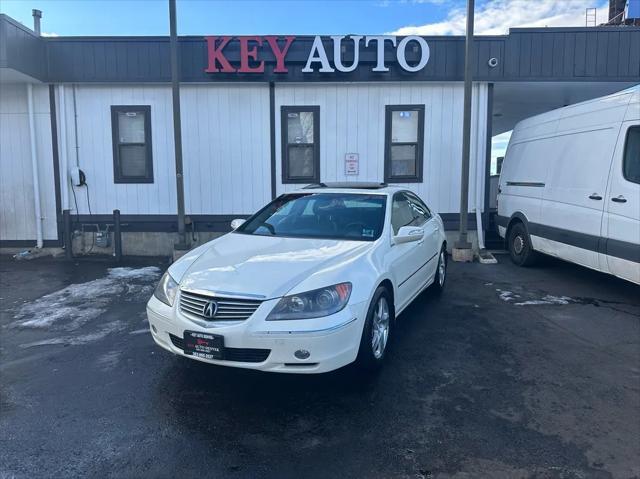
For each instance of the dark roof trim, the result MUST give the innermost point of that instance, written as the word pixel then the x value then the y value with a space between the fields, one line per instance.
pixel 527 54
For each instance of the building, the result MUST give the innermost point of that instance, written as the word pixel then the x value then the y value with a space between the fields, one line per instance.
pixel 262 116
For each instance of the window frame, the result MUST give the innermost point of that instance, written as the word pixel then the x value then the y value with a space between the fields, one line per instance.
pixel 284 145
pixel 115 135
pixel 388 176
pixel 624 153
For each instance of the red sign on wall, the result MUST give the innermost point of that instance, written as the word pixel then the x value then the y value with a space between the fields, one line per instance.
pixel 248 54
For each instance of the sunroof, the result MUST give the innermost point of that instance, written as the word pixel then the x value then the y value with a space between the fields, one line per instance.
pixel 360 185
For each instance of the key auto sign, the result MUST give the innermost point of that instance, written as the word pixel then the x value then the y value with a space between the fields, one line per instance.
pixel 318 58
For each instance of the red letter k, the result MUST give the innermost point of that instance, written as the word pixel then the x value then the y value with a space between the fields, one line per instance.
pixel 215 54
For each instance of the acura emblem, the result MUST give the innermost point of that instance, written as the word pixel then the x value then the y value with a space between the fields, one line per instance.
pixel 210 309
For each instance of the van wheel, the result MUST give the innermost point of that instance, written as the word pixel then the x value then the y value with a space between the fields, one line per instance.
pixel 519 244
pixel 376 332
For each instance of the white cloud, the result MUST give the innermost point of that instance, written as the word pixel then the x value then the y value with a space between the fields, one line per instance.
pixel 495 17
pixel 49 34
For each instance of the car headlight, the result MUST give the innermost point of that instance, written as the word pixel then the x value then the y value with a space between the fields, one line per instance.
pixel 312 304
pixel 166 289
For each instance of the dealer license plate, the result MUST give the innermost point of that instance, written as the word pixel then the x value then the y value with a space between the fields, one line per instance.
pixel 203 345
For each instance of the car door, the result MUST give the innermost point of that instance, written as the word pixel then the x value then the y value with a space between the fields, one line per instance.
pixel 407 261
pixel 622 208
pixel 431 239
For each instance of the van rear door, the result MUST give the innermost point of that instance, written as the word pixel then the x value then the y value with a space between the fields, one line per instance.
pixel 622 207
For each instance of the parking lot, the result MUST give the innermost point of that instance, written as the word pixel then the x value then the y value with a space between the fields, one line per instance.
pixel 511 373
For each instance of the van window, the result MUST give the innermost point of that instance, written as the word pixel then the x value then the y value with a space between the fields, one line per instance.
pixel 631 163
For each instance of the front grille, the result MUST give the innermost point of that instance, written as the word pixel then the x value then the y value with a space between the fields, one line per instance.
pixel 229 309
pixel 240 355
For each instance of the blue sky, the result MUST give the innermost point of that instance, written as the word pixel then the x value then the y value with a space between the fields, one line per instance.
pixel 198 17
pixel 150 17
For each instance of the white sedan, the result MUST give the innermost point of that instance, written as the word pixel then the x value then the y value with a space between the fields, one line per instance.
pixel 310 283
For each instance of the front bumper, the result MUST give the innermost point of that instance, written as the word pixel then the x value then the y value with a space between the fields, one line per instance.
pixel 332 341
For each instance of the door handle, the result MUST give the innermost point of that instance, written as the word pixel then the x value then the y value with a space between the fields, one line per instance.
pixel 595 196
pixel 619 199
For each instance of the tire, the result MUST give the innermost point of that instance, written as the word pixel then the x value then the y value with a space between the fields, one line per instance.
pixel 441 272
pixel 372 353
pixel 519 245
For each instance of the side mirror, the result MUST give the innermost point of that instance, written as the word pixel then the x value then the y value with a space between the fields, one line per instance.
pixel 407 234
pixel 235 224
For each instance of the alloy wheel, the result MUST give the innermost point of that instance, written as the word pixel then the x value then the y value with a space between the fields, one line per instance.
pixel 442 268
pixel 380 328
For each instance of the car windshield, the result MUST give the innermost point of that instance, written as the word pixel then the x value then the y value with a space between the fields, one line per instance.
pixel 345 216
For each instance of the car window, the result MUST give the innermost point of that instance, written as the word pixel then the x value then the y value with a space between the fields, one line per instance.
pixel 631 163
pixel 418 206
pixel 348 216
pixel 402 213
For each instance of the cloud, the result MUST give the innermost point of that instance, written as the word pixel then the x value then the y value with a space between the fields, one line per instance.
pixel 495 17
pixel 49 34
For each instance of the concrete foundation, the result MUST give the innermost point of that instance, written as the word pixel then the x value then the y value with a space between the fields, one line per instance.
pixel 138 244
pixel 462 255
pixel 452 238
pixel 28 253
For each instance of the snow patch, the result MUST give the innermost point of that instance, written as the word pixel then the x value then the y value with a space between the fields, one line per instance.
pixel 148 272
pixel 548 299
pixel 532 299
pixel 78 304
pixel 507 295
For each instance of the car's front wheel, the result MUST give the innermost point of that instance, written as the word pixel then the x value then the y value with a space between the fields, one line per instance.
pixel 376 332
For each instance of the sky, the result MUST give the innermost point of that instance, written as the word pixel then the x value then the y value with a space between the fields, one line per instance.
pixel 242 17
pixel 302 17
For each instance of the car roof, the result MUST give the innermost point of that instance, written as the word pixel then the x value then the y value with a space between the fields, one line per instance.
pixel 350 187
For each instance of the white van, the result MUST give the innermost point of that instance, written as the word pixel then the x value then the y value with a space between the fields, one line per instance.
pixel 570 186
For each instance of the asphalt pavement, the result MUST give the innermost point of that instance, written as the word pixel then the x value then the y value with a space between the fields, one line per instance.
pixel 510 373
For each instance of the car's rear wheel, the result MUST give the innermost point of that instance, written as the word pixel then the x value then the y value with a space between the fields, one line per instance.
pixel 519 244
pixel 377 330
pixel 441 271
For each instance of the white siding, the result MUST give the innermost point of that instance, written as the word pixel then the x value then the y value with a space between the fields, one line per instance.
pixel 17 211
pixel 352 120
pixel 225 144
pixel 226 148
pixel 95 150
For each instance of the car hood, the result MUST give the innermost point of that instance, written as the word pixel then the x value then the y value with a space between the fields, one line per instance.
pixel 265 265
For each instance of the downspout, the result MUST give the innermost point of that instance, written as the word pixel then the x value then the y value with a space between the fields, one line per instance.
pixel 75 126
pixel 479 180
pixel 34 166
pixel 64 165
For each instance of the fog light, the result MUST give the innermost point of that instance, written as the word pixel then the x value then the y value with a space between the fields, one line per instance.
pixel 302 354
pixel 154 329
